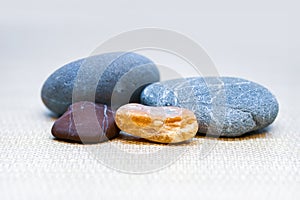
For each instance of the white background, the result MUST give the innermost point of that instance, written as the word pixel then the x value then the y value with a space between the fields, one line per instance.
pixel 256 39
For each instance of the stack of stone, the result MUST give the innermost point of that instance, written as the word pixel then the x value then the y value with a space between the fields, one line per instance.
pixel 98 96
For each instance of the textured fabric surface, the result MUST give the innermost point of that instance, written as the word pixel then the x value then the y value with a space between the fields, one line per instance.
pixel 35 166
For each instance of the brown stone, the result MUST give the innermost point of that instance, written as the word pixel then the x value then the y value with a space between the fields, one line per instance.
pixel 160 124
pixel 86 122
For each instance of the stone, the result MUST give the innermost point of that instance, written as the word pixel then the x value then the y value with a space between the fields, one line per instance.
pixel 110 78
pixel 158 124
pixel 86 122
pixel 224 106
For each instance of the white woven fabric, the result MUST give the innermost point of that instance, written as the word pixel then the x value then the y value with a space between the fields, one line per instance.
pixel 35 166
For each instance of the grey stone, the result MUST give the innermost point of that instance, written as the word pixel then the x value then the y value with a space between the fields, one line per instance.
pixel 224 106
pixel 98 79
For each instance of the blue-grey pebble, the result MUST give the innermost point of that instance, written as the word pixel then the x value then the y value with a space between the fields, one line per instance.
pixel 108 78
pixel 224 106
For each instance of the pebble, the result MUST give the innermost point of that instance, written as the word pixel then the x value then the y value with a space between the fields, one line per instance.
pixel 224 106
pixel 86 122
pixel 124 76
pixel 158 124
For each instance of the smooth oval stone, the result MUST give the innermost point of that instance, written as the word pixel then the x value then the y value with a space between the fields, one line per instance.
pixel 224 106
pixel 158 124
pixel 86 122
pixel 97 79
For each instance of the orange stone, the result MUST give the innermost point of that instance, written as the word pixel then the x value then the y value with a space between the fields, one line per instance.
pixel 159 124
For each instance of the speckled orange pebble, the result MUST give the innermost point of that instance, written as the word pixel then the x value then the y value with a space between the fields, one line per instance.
pixel 159 124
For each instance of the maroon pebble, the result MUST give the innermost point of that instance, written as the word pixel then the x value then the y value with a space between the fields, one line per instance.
pixel 86 122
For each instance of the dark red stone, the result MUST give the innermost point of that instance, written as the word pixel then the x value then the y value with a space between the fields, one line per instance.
pixel 86 122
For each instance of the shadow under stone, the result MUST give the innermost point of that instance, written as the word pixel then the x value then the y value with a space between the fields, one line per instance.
pixel 262 133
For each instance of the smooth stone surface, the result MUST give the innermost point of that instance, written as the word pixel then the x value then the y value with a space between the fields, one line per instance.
pixel 158 124
pixel 111 78
pixel 224 106
pixel 86 122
